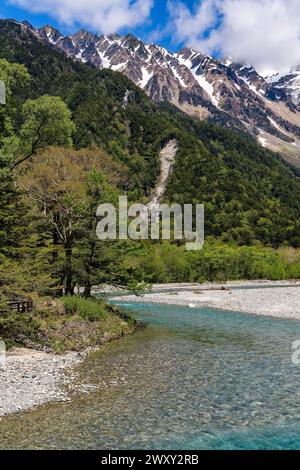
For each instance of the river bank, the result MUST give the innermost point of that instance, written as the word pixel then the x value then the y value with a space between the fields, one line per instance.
pixel 268 298
pixel 31 378
pixel 195 379
pixel 47 345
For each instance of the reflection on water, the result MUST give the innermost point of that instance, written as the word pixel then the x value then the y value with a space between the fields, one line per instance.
pixel 193 379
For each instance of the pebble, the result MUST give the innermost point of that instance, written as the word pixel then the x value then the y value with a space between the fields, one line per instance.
pixel 262 299
pixel 31 378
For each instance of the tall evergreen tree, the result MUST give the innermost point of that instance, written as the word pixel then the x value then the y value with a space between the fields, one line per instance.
pixel 12 210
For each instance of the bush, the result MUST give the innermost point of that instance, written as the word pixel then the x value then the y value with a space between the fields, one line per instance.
pixel 16 329
pixel 216 262
pixel 87 309
pixel 82 324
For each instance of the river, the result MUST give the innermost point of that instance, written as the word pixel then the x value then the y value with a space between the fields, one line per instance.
pixel 192 379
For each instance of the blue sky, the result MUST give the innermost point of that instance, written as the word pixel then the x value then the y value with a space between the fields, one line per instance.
pixel 156 21
pixel 264 33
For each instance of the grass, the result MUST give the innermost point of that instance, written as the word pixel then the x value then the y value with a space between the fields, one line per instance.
pixel 87 309
pixel 73 324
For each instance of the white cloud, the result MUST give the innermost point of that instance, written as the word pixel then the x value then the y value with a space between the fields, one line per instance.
pixel 264 33
pixel 107 16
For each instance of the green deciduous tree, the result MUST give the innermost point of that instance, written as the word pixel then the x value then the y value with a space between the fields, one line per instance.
pixel 15 78
pixel 66 187
pixel 47 122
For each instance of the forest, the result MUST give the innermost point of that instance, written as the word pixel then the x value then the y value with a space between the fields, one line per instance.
pixel 73 137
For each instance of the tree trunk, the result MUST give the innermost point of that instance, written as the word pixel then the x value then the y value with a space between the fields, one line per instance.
pixel 88 285
pixel 69 290
pixel 87 290
pixel 55 242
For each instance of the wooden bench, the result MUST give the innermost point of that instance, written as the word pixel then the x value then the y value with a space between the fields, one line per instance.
pixel 21 306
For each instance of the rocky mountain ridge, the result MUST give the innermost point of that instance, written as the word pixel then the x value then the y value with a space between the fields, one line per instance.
pixel 228 93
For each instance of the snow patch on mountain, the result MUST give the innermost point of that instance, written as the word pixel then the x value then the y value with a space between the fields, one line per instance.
pixel 105 60
pixel 208 87
pixel 288 82
pixel 274 124
pixel 178 76
pixel 147 75
pixel 118 67
pixel 225 91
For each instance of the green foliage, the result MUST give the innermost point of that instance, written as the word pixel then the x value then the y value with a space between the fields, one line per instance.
pixel 11 208
pixel 16 329
pixel 219 262
pixel 48 206
pixel 12 212
pixel 216 262
pixel 87 309
pixel 249 193
pixel 47 122
pixel 86 323
pixel 15 78
pixel 66 187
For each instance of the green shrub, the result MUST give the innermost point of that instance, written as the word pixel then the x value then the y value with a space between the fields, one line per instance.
pixel 87 309
pixel 18 329
pixel 216 262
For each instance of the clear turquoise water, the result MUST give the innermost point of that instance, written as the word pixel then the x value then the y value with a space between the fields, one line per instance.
pixel 192 379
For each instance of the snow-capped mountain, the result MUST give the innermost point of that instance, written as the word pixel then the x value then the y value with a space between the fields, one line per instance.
pixel 288 82
pixel 229 93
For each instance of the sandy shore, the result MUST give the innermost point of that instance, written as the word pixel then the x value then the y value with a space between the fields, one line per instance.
pixel 275 299
pixel 32 378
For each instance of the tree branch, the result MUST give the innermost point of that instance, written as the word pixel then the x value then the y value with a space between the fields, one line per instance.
pixel 34 146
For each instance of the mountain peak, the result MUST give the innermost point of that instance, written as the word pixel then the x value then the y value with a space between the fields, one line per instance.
pixel 221 90
pixel 27 24
pixel 131 42
pixel 50 33
pixel 84 35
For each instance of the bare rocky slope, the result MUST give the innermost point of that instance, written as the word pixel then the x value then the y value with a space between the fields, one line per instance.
pixel 167 159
